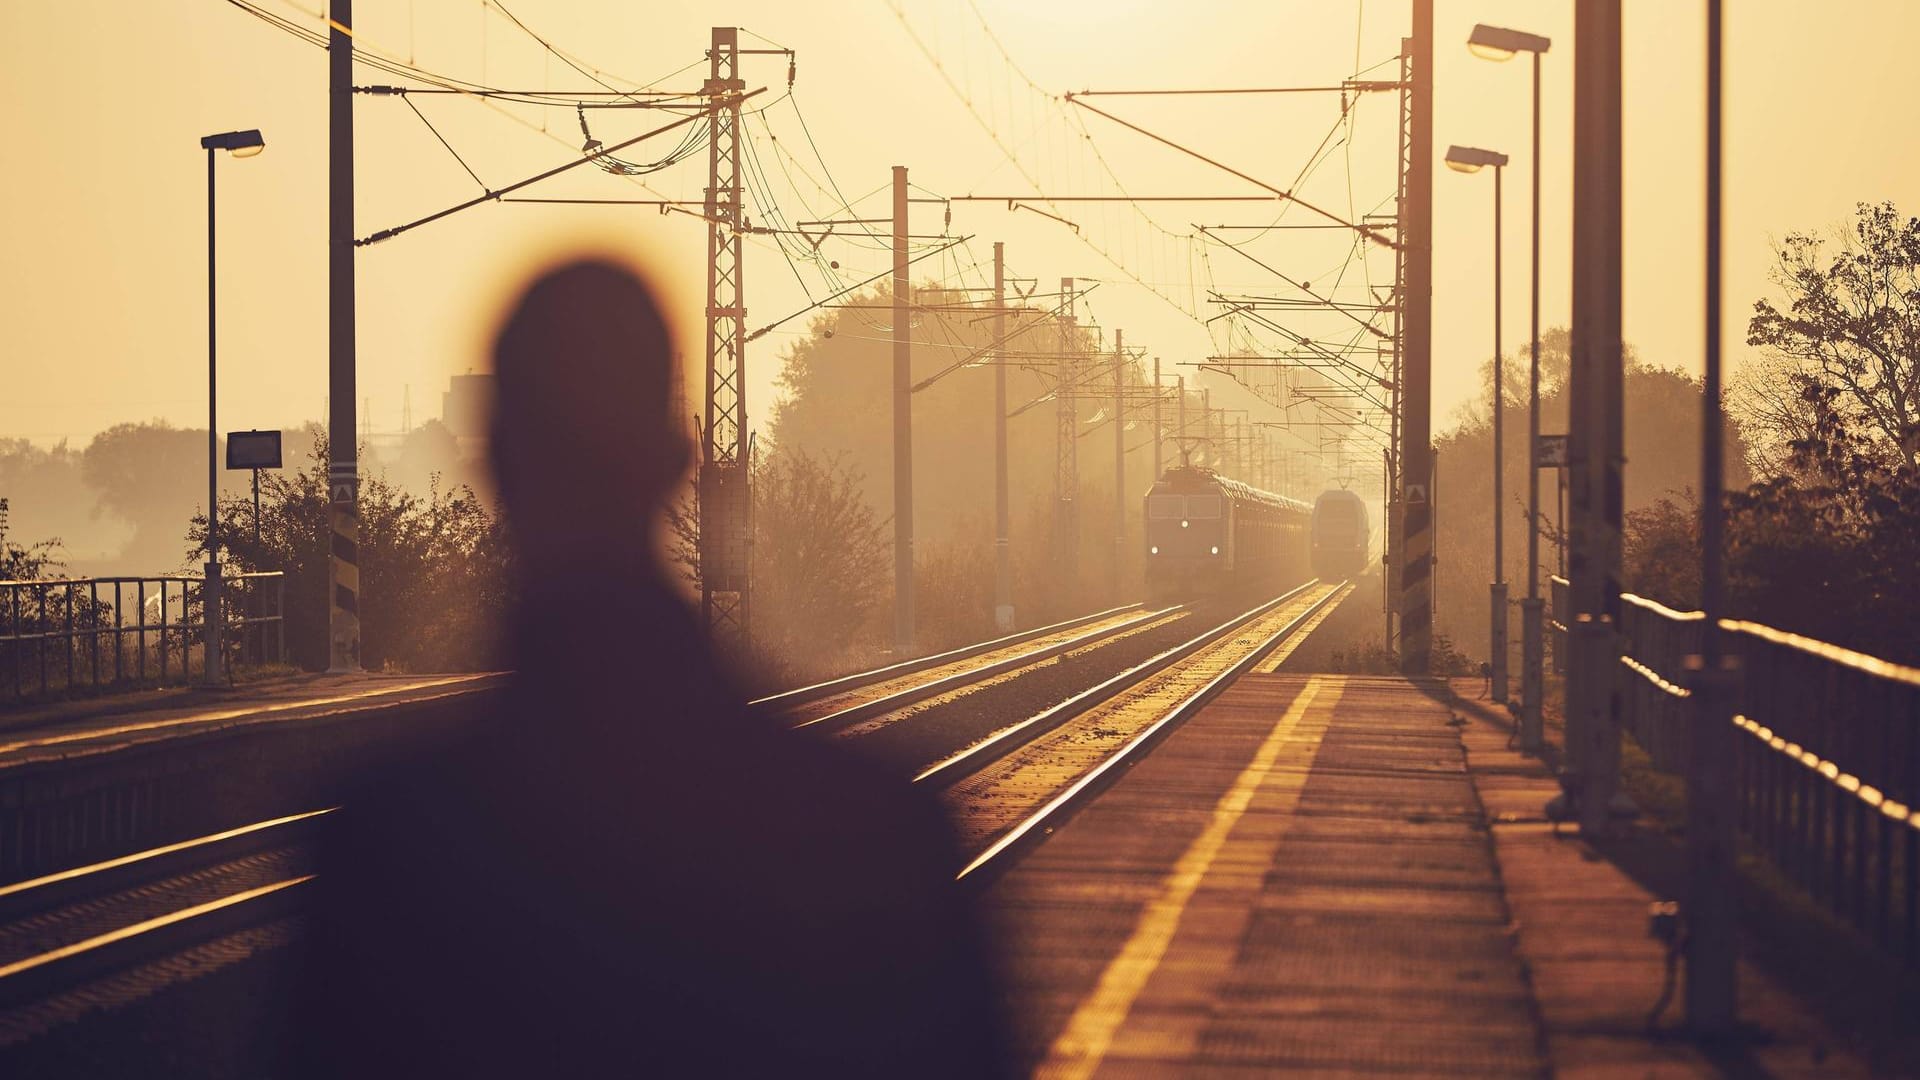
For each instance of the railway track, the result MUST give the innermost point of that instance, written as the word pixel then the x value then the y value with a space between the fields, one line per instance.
pixel 62 930
pixel 852 698
pixel 1010 790
pixel 1007 791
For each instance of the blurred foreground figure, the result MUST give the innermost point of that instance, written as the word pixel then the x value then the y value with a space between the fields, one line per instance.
pixel 626 874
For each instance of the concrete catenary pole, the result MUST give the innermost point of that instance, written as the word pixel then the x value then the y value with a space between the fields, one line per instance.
pixel 1711 911
pixel 1119 464
pixel 1002 545
pixel 1416 374
pixel 902 425
pixel 1594 446
pixel 343 481
pixel 1533 609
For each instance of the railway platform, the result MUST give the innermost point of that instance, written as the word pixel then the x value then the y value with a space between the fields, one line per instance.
pixel 1345 875
pixel 120 721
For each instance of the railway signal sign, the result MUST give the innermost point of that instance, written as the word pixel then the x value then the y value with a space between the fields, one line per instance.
pixel 1550 452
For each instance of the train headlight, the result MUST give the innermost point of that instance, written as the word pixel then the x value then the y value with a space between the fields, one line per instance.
pixel 1184 524
pixel 1216 551
pixel 1153 550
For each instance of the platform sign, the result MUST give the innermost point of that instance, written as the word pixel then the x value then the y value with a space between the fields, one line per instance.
pixel 1550 452
pixel 253 449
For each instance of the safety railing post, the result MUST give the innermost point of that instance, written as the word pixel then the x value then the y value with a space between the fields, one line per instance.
pixel 68 640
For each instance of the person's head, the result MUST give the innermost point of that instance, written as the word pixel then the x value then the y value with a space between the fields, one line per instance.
pixel 584 446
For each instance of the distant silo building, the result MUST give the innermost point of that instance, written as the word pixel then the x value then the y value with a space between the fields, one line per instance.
pixel 467 406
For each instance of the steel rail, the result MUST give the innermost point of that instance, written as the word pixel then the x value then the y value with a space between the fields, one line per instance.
pixel 972 759
pixel 37 976
pixel 51 970
pixel 1006 850
pixel 803 695
pixel 38 894
pixel 920 691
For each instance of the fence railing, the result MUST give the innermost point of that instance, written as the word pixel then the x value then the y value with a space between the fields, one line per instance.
pixel 66 634
pixel 1828 755
pixel 1560 601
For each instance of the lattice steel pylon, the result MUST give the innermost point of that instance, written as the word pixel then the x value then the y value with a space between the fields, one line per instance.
pixel 725 502
pixel 1066 445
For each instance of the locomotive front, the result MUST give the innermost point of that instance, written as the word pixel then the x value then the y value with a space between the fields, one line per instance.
pixel 1189 538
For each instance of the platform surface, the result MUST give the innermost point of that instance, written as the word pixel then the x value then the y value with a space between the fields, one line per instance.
pixel 96 725
pixel 1305 879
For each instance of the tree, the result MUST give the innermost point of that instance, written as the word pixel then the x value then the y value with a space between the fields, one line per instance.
pixel 1662 430
pixel 1852 322
pixel 437 573
pixel 820 562
pixel 820 559
pixel 27 563
pixel 1831 548
pixel 151 476
pixel 1660 550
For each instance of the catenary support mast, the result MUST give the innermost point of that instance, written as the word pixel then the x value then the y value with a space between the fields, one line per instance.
pixel 902 424
pixel 1002 543
pixel 1416 453
pixel 1594 447
pixel 343 482
pixel 725 498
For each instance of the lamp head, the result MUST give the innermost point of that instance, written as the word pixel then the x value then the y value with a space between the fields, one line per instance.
pixel 1500 43
pixel 238 143
pixel 1471 159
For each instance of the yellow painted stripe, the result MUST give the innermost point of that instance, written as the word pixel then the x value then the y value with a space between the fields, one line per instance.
pixel 1083 1043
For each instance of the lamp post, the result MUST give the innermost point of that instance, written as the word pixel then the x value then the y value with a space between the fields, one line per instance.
pixel 1470 159
pixel 240 144
pixel 1500 43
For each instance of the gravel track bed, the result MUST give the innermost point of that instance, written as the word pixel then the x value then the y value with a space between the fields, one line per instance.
pixel 91 916
pixel 932 731
pixel 993 800
pixel 847 699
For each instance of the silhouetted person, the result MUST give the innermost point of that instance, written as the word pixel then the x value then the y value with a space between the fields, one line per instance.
pixel 626 874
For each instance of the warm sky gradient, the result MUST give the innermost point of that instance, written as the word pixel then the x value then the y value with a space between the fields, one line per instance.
pixel 105 275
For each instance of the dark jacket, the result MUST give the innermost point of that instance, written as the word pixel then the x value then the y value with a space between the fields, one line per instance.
pixel 626 874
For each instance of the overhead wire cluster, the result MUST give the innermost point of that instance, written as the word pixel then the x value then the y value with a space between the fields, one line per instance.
pixel 1048 142
pixel 793 203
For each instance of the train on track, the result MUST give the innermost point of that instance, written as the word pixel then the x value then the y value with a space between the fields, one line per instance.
pixel 1341 540
pixel 1208 535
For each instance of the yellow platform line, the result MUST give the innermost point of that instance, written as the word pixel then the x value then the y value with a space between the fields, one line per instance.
pixel 1083 1043
pixel 259 709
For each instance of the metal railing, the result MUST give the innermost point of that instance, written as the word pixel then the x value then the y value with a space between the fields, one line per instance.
pixel 65 634
pixel 1828 754
pixel 1560 602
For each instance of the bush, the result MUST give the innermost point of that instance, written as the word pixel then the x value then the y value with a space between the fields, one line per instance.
pixel 437 575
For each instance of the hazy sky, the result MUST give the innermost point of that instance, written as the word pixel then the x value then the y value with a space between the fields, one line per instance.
pixel 105 287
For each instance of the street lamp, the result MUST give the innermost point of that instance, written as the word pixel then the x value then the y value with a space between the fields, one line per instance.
pixel 1500 43
pixel 1471 159
pixel 240 144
